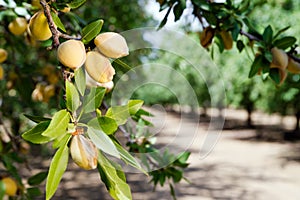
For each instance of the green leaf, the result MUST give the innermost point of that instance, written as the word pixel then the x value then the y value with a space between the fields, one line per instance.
pixel 118 113
pixel 37 119
pixel 274 75
pixel 2 189
pixel 94 99
pixel 285 42
pixel 57 22
pixel 76 3
pixel 57 168
pixel 165 19
pixel 178 10
pixel 58 125
pixel 183 157
pixel 61 140
pixel 268 35
pixel 35 136
pixel 33 192
pixel 281 31
pixel 122 113
pixel 172 191
pixel 240 45
pixel 134 106
pixel 108 125
pixel 37 178
pixel 258 62
pixel 124 66
pixel 80 80
pixel 102 141
pixel 128 158
pixel 268 56
pixel 91 31
pixel 72 97
pixel 115 184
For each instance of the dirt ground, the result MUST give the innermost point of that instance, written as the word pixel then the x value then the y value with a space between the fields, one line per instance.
pixel 239 167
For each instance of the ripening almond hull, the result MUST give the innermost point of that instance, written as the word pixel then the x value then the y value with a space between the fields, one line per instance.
pixel 207 36
pixel 83 152
pixel 39 27
pixel 293 66
pixel 280 58
pixel 72 54
pixel 99 67
pixel 112 45
pixel 227 40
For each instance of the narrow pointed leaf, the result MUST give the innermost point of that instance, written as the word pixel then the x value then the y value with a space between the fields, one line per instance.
pixel 257 63
pixel 57 168
pixel 102 142
pixel 113 180
pixel 94 99
pixel 37 119
pixel 73 99
pixel 76 3
pixel 285 42
pixel 57 22
pixel 80 80
pixel 268 35
pixel 122 113
pixel 134 106
pixel 58 125
pixel 91 31
pixel 35 136
pixel 128 158
pixel 37 178
pixel 108 125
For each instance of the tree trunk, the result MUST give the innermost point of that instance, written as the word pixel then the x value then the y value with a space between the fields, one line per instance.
pixel 249 118
pixel 297 115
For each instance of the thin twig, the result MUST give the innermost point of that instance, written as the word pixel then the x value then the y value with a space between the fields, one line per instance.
pixel 53 29
pixel 250 36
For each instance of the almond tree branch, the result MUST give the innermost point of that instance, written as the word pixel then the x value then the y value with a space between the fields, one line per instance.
pixel 250 36
pixel 54 31
pixel 56 34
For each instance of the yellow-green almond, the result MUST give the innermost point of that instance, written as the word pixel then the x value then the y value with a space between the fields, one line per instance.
pixel 99 67
pixel 39 27
pixel 3 55
pixel 1 73
pixel 71 53
pixel 112 45
pixel 18 26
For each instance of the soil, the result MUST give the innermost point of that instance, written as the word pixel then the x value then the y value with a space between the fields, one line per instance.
pixel 234 163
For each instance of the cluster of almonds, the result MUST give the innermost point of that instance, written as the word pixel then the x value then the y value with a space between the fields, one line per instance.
pixel 37 29
pixel 283 63
pixel 100 72
pixel 208 33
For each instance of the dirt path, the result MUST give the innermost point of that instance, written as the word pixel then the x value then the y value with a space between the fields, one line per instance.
pixel 236 169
